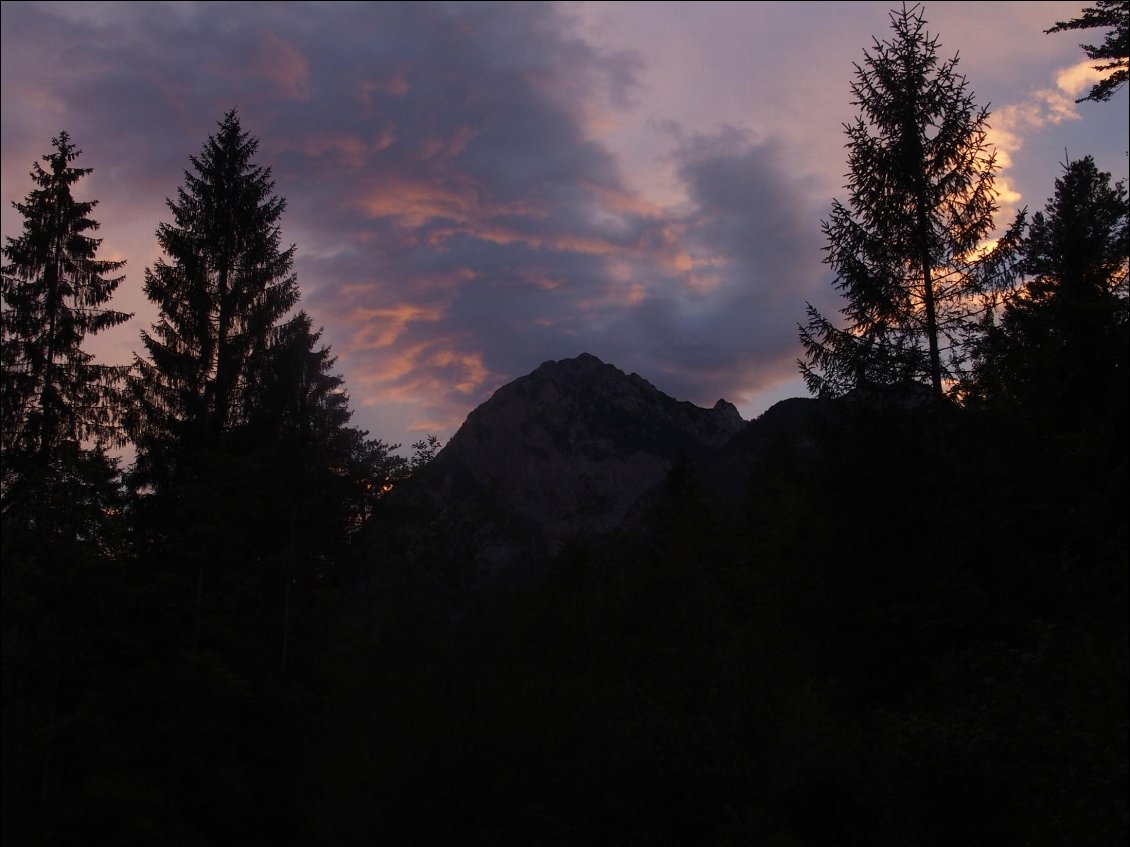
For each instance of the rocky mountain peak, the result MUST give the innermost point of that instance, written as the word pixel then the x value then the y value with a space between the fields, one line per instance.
pixel 728 415
pixel 575 444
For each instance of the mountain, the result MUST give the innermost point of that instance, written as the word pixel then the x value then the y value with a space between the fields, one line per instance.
pixel 573 448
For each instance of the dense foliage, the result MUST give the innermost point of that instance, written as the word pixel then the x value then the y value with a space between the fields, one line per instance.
pixel 1060 344
pixel 59 406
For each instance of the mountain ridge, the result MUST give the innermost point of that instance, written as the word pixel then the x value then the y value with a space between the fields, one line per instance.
pixel 575 447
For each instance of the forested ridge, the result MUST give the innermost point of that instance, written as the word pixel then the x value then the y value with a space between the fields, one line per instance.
pixel 910 626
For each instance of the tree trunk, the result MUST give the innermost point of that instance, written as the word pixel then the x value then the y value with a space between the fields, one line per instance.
pixel 923 224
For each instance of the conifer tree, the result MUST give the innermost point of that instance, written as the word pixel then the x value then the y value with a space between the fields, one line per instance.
pixel 905 247
pixel 60 493
pixel 225 289
pixel 1062 339
pixel 298 431
pixel 245 456
pixel 223 292
pixel 57 401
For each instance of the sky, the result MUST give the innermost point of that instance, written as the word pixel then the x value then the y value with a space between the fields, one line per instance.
pixel 474 189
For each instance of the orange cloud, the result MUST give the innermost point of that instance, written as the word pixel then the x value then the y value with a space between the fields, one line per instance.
pixel 1041 108
pixel 420 373
pixel 414 203
pixel 389 370
pixel 587 244
pixel 1079 78
pixel 452 204
pixel 431 425
pixel 380 328
pixel 470 364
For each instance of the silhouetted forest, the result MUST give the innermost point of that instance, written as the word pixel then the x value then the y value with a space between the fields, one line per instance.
pixel 909 627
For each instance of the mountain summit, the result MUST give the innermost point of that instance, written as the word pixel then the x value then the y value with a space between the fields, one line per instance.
pixel 575 445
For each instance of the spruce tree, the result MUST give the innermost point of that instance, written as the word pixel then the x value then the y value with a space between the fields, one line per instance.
pixel 58 402
pixel 60 493
pixel 246 467
pixel 1061 342
pixel 905 248
pixel 225 289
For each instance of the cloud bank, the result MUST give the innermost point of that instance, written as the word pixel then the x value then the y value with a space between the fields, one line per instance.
pixel 476 188
pixel 458 220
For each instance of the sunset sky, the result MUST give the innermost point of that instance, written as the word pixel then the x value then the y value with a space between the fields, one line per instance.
pixel 474 189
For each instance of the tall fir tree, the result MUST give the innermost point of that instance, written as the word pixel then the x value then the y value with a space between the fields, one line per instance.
pixel 244 482
pixel 223 296
pixel 1062 340
pixel 60 493
pixel 226 288
pixel 906 249
pixel 59 404
pixel 243 446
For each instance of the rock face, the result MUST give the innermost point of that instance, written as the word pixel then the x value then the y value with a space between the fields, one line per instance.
pixel 575 445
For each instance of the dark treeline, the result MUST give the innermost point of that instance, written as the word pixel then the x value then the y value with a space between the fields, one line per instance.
pixel 912 629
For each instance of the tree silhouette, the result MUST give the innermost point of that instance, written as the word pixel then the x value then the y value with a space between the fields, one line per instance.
pixel 56 400
pixel 60 493
pixel 1062 340
pixel 906 248
pixel 251 482
pixel 53 292
pixel 1115 47
pixel 222 296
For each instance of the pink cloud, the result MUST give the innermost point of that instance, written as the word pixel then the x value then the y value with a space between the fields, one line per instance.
pixel 393 85
pixel 381 327
pixel 283 66
pixel 346 149
pixel 272 61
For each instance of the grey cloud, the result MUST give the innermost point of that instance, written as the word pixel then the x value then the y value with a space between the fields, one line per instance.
pixel 753 230
pixel 456 223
